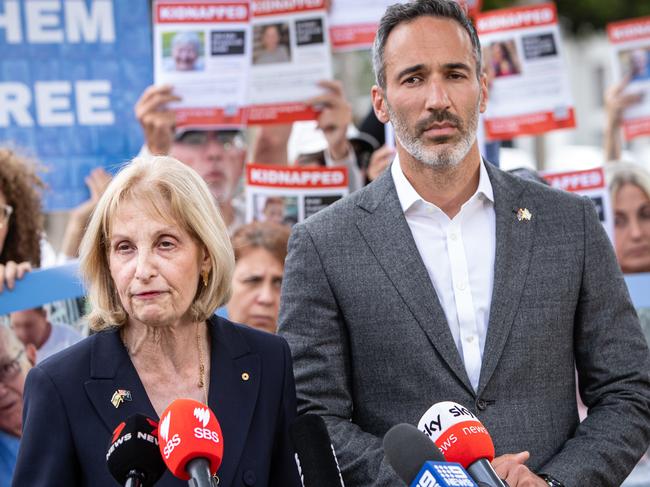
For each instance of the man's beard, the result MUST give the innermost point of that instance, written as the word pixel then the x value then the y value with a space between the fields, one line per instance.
pixel 434 155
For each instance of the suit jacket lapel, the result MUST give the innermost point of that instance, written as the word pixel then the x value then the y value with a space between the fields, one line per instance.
pixel 388 235
pixel 235 381
pixel 110 370
pixel 514 240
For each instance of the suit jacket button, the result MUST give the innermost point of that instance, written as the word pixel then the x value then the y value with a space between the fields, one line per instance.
pixel 481 405
pixel 249 478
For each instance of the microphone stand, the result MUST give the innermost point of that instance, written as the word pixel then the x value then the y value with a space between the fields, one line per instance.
pixel 134 479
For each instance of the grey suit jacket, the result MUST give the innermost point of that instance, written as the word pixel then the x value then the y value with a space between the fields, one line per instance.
pixel 372 347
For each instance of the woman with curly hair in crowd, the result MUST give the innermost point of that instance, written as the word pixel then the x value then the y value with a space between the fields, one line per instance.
pixel 21 217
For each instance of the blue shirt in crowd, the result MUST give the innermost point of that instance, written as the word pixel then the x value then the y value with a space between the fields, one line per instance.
pixel 8 454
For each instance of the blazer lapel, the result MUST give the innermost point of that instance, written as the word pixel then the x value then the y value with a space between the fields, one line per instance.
pixel 385 230
pixel 514 238
pixel 234 387
pixel 112 370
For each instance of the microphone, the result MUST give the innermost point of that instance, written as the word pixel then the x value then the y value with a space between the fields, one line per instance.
pixel 315 454
pixel 419 462
pixel 191 442
pixel 462 438
pixel 133 458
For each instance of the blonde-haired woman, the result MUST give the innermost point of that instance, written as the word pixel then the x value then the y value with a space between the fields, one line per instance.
pixel 158 262
pixel 629 186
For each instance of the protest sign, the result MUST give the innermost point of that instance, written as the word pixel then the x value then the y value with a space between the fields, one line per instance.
pixel 289 194
pixel 72 72
pixel 529 85
pixel 630 40
pixel 353 25
pixel 589 183
pixel 291 54
pixel 202 49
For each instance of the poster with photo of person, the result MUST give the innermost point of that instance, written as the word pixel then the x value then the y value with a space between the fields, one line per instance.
pixel 203 49
pixel 630 41
pixel 291 54
pixel 529 86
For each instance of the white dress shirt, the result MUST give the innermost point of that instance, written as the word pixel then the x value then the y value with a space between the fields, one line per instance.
pixel 458 254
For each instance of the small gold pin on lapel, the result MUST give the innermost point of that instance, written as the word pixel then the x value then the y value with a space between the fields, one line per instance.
pixel 245 376
pixel 120 396
pixel 524 214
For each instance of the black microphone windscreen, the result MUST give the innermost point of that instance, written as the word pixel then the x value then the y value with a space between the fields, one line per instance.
pixel 313 445
pixel 407 449
pixel 134 448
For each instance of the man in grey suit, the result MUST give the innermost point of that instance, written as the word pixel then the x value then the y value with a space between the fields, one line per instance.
pixel 449 280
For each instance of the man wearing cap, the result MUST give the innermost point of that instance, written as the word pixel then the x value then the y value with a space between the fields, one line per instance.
pixel 217 155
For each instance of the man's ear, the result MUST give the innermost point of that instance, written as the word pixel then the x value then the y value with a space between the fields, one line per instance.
pixel 483 85
pixel 30 353
pixel 379 104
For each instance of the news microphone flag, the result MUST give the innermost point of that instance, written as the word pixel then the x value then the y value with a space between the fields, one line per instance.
pixel 133 457
pixel 457 432
pixel 462 438
pixel 442 474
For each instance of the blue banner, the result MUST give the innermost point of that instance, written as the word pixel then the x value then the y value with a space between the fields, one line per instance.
pixel 70 74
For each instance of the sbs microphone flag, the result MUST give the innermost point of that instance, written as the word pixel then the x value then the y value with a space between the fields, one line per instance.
pixel 133 457
pixel 189 431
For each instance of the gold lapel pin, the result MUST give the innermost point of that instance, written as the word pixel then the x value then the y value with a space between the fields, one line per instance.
pixel 524 214
pixel 245 376
pixel 119 396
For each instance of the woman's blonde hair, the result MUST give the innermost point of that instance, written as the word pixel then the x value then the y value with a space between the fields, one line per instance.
pixel 165 184
pixel 621 173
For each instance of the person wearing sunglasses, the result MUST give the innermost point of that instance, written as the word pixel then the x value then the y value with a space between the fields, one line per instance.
pixel 217 155
pixel 15 362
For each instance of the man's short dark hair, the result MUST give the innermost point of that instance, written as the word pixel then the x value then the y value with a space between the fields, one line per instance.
pixel 407 12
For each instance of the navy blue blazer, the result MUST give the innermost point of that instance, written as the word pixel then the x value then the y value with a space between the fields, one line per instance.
pixel 68 416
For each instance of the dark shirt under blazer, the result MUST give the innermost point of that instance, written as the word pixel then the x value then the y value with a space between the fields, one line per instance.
pixel 68 416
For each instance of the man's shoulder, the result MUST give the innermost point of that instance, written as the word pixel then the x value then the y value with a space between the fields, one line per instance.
pixel 344 212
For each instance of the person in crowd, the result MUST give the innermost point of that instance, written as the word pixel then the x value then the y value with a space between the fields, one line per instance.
pixel 21 219
pixel 629 186
pixel 272 51
pixel 186 49
pixel 217 155
pixel 260 250
pixel 157 262
pixel 15 361
pixel 33 327
pixel 447 279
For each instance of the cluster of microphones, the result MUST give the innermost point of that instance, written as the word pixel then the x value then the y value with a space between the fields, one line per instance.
pixel 449 448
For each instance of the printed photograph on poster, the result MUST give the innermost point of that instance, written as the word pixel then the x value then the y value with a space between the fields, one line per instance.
pixel 530 92
pixel 277 209
pixel 271 43
pixel 635 64
pixel 630 41
pixel 501 59
pixel 183 51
